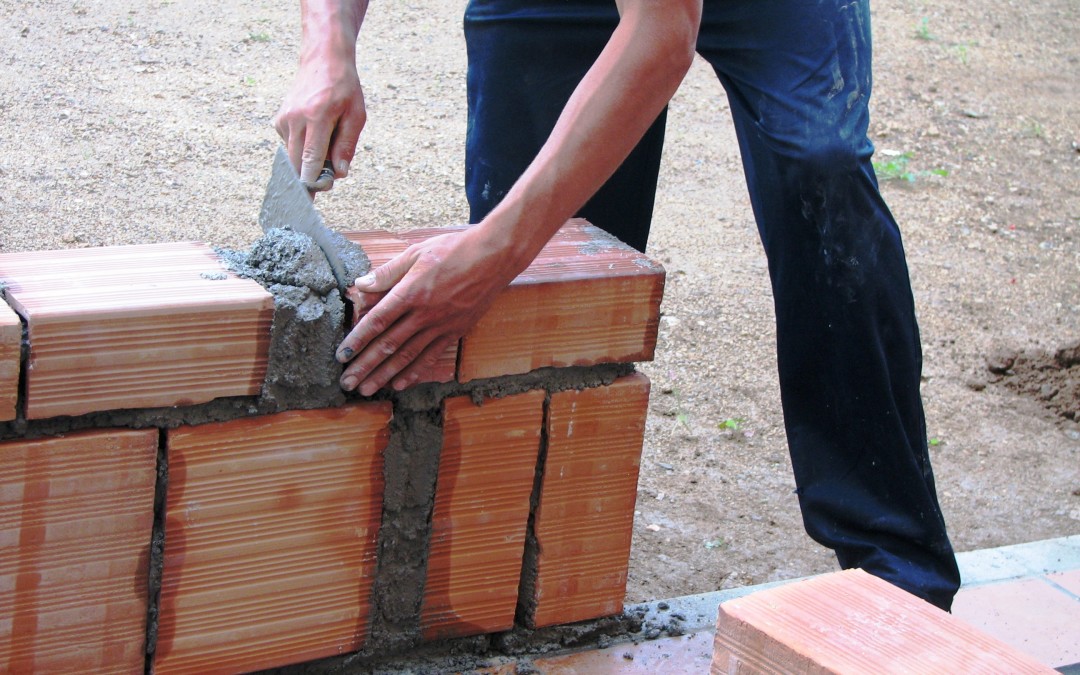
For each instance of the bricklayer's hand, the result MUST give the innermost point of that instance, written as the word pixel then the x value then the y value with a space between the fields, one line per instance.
pixel 433 293
pixel 323 113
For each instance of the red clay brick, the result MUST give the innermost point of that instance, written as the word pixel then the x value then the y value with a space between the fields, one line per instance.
pixel 585 517
pixel 76 515
pixel 270 539
pixel 10 339
pixel 486 473
pixel 379 245
pixel 136 326
pixel 586 299
pixel 852 622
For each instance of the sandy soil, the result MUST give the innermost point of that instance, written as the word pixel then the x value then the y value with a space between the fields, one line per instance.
pixel 127 122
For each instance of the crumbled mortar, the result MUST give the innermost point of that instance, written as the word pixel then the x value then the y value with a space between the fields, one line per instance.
pixel 309 316
pixel 410 470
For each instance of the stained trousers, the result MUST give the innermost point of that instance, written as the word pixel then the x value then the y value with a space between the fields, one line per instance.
pixel 798 77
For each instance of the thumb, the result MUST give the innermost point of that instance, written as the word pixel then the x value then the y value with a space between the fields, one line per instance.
pixel 384 277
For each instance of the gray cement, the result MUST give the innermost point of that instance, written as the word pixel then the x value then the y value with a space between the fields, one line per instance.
pixel 309 316
pixel 410 470
pixel 301 369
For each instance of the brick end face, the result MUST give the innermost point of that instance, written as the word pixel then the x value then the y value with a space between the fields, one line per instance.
pixel 10 361
pixel 481 512
pixel 75 523
pixel 584 521
pixel 270 538
pixel 852 622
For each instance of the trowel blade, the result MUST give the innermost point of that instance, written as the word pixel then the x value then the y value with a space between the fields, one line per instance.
pixel 288 204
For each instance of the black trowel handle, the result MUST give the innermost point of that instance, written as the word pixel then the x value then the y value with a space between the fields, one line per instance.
pixel 325 181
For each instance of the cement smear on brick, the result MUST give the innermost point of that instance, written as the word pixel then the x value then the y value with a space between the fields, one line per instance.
pixel 410 470
pixel 309 316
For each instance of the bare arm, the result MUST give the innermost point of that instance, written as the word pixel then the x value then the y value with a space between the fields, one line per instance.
pixel 439 289
pixel 323 113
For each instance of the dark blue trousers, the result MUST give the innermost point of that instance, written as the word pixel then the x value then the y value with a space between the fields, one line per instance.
pixel 798 77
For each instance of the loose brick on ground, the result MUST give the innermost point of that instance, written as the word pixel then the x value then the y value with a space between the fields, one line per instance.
pixel 584 521
pixel 136 327
pixel 849 623
pixel 270 538
pixel 10 357
pixel 76 515
pixel 486 474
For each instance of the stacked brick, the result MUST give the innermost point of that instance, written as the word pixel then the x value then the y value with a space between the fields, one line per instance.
pixel 137 533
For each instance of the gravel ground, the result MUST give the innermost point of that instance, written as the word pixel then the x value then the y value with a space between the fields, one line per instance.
pixel 130 122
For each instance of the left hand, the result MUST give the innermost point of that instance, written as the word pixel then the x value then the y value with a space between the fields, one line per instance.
pixel 435 292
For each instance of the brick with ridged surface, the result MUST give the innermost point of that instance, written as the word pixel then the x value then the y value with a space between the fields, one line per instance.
pixel 486 473
pixel 586 299
pixel 136 327
pixel 585 517
pixel 849 623
pixel 270 539
pixel 76 515
pixel 10 357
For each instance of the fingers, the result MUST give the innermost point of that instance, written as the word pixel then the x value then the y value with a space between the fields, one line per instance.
pixel 316 143
pixel 391 353
pixel 320 121
pixel 404 365
pixel 386 276
pixel 345 138
pixel 423 364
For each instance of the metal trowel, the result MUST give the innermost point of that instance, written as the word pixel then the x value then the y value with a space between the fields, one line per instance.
pixel 288 204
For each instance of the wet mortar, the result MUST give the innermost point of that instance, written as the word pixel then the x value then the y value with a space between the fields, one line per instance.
pixel 309 316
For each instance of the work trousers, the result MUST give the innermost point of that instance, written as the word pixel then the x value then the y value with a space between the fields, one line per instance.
pixel 797 76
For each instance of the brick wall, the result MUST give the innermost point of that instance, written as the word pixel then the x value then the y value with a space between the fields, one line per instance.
pixel 154 512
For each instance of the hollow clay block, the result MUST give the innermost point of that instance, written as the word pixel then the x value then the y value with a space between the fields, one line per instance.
pixel 851 622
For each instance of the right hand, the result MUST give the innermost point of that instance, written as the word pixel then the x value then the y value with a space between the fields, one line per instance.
pixel 323 114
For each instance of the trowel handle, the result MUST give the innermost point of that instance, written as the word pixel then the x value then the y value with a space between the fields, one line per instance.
pixel 325 181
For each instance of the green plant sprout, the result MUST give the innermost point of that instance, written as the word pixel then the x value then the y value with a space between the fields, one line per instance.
pixel 962 53
pixel 896 168
pixel 1035 130
pixel 683 419
pixel 732 424
pixel 922 30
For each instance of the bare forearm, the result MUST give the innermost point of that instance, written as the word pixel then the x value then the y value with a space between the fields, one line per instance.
pixel 619 98
pixel 330 27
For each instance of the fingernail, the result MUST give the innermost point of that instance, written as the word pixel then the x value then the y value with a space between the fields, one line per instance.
pixel 342 168
pixel 368 389
pixel 366 280
pixel 344 354
pixel 348 383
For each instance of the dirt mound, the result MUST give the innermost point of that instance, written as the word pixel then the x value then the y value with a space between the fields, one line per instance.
pixel 1052 378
